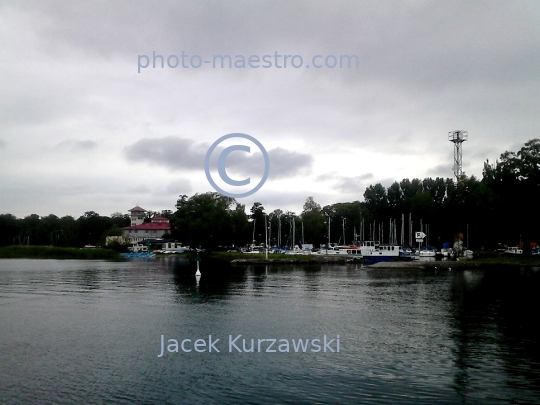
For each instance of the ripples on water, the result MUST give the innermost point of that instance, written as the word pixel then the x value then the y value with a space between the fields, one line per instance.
pixel 76 332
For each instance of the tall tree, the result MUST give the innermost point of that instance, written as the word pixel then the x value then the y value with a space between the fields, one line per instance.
pixel 258 216
pixel 312 219
pixel 515 182
pixel 204 219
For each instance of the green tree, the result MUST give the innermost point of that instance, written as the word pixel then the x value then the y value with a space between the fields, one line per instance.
pixel 313 222
pixel 204 219
pixel 514 180
pixel 258 216
pixel 10 229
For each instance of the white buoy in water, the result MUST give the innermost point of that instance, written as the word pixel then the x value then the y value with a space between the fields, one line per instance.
pixel 198 271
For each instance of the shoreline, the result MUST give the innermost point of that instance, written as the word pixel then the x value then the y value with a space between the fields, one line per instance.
pixel 305 260
pixel 57 253
pixel 484 263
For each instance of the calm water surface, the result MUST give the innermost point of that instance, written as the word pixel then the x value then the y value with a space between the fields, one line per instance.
pixel 75 332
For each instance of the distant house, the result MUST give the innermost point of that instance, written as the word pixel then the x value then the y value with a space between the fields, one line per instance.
pixel 140 230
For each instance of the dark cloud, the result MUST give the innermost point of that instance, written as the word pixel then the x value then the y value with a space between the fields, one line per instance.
pixel 171 152
pixel 283 163
pixel 180 153
pixel 444 171
pixel 420 46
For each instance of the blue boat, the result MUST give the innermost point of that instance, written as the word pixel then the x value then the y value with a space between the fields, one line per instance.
pixel 138 255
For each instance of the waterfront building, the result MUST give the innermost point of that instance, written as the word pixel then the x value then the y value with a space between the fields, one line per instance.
pixel 141 231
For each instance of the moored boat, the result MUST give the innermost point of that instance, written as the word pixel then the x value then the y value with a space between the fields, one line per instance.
pixel 341 250
pixel 427 251
pixel 385 253
pixel 138 255
pixel 514 250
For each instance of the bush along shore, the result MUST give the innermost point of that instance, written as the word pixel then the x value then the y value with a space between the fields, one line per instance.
pixel 54 252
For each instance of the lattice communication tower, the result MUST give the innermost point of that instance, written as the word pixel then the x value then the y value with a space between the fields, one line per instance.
pixel 458 137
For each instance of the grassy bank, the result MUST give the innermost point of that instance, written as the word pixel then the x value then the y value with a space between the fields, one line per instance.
pixel 53 252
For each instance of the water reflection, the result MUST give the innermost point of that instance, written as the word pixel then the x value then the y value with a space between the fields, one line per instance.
pixel 218 278
pixel 409 337
pixel 493 330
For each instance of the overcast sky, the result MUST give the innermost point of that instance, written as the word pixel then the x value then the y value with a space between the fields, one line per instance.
pixel 81 129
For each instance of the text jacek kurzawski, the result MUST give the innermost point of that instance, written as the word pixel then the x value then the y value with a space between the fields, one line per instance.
pixel 238 344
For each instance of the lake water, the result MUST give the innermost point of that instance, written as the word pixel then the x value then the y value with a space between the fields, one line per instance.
pixel 74 332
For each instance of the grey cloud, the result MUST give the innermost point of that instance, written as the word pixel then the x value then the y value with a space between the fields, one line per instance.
pixel 426 67
pixel 426 43
pixel 179 153
pixel 387 182
pixel 57 194
pixel 345 183
pixel 75 145
pixel 171 152
pixel 420 62
pixel 444 171
pixel 350 185
pixel 327 176
pixel 366 176
pixel 283 163
pixel 178 187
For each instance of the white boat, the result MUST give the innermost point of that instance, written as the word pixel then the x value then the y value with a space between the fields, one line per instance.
pixel 427 253
pixel 405 251
pixel 341 250
pixel 514 250
pixel 298 251
pixel 384 253
pixel 367 246
pixel 448 252
pixel 254 251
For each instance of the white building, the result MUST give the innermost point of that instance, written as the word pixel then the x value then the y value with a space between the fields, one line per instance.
pixel 140 230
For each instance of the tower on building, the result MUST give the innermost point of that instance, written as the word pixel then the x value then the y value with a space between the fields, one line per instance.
pixel 137 215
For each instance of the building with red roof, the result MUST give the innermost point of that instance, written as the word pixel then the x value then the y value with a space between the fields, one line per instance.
pixel 140 230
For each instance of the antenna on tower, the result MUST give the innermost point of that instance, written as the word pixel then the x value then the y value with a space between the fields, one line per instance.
pixel 458 137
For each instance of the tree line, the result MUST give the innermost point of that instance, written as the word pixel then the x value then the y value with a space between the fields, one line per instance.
pixel 499 209
pixel 89 229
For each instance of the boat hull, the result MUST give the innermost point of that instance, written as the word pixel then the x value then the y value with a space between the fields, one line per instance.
pixel 381 258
